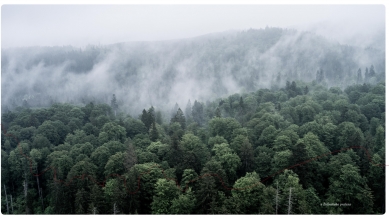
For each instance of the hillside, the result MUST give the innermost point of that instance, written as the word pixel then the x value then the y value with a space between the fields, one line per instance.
pixel 163 73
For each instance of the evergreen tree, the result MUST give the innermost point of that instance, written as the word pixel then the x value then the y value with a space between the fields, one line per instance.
pixel 198 112
pixel 359 76
pixel 154 133
pixel 367 75
pixel 306 90
pixel 188 110
pixel 180 118
pixel 114 103
pixel 218 113
pixel 372 72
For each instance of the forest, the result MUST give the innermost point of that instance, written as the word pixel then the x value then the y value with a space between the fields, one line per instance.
pixel 163 73
pixel 296 148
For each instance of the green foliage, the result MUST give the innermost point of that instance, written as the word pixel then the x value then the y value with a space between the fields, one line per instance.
pixel 223 127
pixel 90 161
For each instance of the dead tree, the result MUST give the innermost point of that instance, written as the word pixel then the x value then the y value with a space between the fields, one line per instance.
pixel 290 201
pixel 6 199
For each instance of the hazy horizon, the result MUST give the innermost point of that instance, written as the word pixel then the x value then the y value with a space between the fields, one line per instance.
pixel 82 25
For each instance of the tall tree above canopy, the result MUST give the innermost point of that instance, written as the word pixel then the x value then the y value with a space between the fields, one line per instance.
pixel 114 104
pixel 180 118
pixel 188 110
pixel 359 76
pixel 198 112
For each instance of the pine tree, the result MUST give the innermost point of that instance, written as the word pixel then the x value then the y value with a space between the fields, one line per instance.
pixel 359 76
pixel 198 112
pixel 306 90
pixel 154 133
pixel 319 75
pixel 144 118
pixel 367 75
pixel 218 113
pixel 114 103
pixel 372 72
pixel 174 110
pixel 180 118
pixel 188 110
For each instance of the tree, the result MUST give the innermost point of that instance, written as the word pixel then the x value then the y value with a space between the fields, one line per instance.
pixel 198 113
pixel 130 158
pixel 319 76
pixel 359 76
pixel 114 103
pixel 249 192
pixel 114 132
pixel 154 133
pixel 349 135
pixel 145 119
pixel 195 153
pixel 223 127
pixel 351 188
pixel 165 192
pixel 100 158
pixel 246 155
pixel 367 76
pixel 115 164
pixel 306 90
pixel 292 199
pixel 228 158
pixel 147 182
pixel 184 203
pixel 188 110
pixel 115 195
pixel 372 72
pixel 180 118
pixel 206 191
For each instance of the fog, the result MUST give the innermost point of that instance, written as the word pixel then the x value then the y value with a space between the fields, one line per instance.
pixel 81 25
pixel 162 55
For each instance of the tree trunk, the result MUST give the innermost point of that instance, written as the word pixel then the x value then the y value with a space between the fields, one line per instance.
pixel 6 199
pixel 290 201
pixel 12 206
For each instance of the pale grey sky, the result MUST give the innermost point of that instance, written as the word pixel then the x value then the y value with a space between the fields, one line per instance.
pixel 80 25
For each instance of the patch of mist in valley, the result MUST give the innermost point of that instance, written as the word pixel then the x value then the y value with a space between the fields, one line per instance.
pixel 163 73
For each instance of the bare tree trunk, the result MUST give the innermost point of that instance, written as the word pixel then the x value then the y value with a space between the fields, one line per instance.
pixel 115 209
pixel 6 198
pixel 290 201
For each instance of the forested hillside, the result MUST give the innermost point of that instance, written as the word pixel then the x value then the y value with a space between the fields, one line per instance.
pixel 223 156
pixel 163 73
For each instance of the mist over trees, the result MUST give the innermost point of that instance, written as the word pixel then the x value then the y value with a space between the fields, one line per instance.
pixel 168 72
pixel 226 123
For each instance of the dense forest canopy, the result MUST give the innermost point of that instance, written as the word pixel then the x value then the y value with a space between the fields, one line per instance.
pixel 224 156
pixel 262 121
pixel 167 72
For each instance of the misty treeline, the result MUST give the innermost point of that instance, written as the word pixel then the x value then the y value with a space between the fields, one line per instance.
pixel 188 163
pixel 163 73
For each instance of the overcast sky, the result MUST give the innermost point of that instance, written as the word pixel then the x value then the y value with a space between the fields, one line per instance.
pixel 80 25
